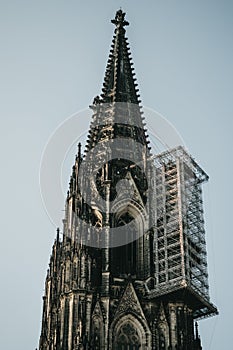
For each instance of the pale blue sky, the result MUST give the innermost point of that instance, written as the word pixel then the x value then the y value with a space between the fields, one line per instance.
pixel 53 57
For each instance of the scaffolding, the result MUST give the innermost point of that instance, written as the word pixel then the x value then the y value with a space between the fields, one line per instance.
pixel 179 240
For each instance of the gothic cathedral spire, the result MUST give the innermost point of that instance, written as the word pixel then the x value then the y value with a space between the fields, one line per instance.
pixel 130 271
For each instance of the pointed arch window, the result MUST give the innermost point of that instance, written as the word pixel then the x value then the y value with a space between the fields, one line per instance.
pixel 128 338
pixel 124 258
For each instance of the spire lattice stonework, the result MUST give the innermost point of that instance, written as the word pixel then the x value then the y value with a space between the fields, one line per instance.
pixel 119 82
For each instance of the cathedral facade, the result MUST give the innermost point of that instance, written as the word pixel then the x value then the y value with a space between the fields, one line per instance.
pixel 129 270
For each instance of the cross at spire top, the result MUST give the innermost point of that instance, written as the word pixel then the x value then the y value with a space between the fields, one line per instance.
pixel 119 20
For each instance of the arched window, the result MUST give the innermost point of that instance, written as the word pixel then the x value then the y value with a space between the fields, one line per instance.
pixel 124 257
pixel 127 332
pixel 127 338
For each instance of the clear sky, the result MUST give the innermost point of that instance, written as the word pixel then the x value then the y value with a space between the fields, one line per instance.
pixel 53 58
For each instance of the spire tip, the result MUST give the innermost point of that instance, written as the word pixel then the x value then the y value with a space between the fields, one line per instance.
pixel 119 20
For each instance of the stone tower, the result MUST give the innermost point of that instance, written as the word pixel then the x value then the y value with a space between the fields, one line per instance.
pixel 130 269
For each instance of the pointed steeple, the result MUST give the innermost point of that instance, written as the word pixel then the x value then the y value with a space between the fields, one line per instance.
pixel 197 340
pixel 117 111
pixel 119 82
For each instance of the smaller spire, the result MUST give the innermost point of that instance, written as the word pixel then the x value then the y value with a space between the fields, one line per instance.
pixel 197 338
pixel 73 171
pixel 58 233
pixel 197 332
pixel 79 155
pixel 79 149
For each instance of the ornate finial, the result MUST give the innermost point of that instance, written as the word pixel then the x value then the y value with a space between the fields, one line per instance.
pixel 58 233
pixel 119 20
pixel 96 101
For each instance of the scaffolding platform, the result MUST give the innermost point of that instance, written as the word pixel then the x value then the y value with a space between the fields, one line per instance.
pixel 179 236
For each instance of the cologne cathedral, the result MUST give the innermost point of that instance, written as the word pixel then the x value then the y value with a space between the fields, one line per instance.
pixel 129 269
